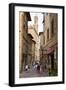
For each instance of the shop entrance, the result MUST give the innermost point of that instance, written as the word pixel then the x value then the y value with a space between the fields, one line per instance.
pixel 52 61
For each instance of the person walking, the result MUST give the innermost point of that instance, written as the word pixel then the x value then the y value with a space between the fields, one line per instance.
pixel 26 67
pixel 38 68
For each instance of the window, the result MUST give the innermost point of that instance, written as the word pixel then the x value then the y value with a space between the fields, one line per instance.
pixel 25 24
pixel 52 28
pixel 47 34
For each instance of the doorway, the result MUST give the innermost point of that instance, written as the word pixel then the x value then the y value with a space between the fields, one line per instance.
pixel 52 61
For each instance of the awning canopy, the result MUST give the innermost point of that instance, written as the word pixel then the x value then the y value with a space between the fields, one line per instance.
pixel 49 50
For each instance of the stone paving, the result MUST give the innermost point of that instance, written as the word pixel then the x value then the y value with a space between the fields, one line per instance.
pixel 34 73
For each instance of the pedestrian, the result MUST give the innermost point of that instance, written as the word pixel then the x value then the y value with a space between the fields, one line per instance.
pixel 26 67
pixel 38 68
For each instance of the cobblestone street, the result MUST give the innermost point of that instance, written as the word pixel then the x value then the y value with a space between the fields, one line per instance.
pixel 34 73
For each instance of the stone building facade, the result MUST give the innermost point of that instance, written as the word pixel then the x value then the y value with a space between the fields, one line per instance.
pixel 24 17
pixel 29 48
pixel 41 46
pixel 33 51
pixel 50 47
pixel 41 38
pixel 35 35
pixel 36 23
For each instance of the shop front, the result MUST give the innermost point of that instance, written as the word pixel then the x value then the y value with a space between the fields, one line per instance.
pixel 53 58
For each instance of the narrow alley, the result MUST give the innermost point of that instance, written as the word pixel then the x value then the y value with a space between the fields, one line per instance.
pixel 38 44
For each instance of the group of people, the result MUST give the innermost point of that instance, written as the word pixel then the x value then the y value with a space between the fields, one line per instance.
pixel 38 67
pixel 41 68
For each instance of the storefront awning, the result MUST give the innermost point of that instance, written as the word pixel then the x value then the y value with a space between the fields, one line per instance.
pixel 51 49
